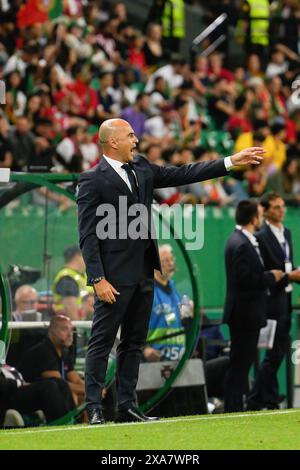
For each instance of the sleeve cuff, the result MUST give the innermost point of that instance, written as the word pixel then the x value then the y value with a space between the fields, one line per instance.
pixel 228 163
pixel 95 280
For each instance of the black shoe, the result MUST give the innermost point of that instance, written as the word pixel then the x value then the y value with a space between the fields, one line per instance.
pixel 253 405
pixel 271 406
pixel 95 416
pixel 133 414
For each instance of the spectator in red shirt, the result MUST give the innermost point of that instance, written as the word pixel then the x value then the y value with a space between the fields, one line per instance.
pixel 216 69
pixel 87 101
pixel 136 55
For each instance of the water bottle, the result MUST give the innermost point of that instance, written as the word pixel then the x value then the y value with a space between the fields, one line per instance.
pixel 185 307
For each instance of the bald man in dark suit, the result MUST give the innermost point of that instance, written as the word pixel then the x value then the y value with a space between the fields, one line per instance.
pixel 121 268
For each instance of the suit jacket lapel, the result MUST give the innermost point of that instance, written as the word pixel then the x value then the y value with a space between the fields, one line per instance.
pixel 249 243
pixel 109 173
pixel 277 248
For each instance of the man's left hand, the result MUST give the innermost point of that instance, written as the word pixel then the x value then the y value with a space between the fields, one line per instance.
pixel 249 156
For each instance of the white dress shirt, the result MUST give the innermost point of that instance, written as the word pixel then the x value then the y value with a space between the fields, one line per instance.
pixel 117 166
pixel 278 232
pixel 253 241
pixel 228 163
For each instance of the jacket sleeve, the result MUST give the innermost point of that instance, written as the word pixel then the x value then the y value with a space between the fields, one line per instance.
pixel 289 238
pixel 245 275
pixel 165 177
pixel 88 201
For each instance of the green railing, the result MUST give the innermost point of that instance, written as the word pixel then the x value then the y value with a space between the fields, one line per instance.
pixel 190 338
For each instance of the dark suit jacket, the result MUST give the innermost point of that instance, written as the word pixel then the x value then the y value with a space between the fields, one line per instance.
pixel 279 302
pixel 247 284
pixel 122 261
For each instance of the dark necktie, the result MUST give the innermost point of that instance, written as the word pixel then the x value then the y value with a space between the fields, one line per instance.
pixel 285 250
pixel 132 180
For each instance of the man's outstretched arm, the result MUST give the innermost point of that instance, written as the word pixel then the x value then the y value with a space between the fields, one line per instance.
pixel 195 172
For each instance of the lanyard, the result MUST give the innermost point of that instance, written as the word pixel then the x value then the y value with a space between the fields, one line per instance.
pixel 286 250
pixel 168 308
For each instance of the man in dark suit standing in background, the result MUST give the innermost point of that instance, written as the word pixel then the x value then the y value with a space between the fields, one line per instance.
pixel 275 242
pixel 120 267
pixel 246 300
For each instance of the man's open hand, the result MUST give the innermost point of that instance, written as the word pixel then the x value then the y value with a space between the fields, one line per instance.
pixel 249 156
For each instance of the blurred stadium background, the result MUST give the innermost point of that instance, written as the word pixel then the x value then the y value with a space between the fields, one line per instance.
pixel 197 82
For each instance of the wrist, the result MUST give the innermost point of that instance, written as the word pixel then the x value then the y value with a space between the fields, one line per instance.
pixel 98 279
pixel 291 276
pixel 233 159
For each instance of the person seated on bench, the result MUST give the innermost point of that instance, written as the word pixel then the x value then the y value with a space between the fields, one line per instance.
pixel 52 396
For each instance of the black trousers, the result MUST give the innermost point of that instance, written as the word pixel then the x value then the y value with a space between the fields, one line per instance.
pixel 242 355
pixel 265 392
pixel 215 373
pixel 131 311
pixel 52 396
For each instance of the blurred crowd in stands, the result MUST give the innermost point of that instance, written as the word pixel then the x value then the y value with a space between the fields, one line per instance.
pixel 66 75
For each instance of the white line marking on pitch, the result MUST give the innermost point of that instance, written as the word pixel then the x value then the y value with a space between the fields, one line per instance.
pixel 176 420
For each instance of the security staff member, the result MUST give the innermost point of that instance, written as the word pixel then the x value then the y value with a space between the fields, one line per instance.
pixel 173 23
pixel 69 285
pixel 171 14
pixel 259 23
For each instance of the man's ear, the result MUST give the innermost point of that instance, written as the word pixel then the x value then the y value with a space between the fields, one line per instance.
pixel 254 219
pixel 113 142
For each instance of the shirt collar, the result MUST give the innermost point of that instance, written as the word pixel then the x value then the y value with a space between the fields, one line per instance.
pixel 248 234
pixel 276 230
pixel 114 163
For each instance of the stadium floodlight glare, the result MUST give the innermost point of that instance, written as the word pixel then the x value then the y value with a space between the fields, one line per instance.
pixel 4 175
pixel 207 31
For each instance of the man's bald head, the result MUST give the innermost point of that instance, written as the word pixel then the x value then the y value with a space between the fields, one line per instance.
pixel 57 321
pixel 60 331
pixel 109 128
pixel 117 139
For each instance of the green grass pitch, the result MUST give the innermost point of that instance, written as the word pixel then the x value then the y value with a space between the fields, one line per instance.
pixel 264 430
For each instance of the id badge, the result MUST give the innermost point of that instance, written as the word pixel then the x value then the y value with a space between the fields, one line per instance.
pixel 288 268
pixel 170 318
